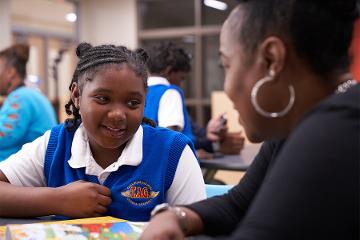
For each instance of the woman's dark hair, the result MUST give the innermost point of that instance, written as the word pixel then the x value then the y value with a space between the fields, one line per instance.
pixel 320 31
pixel 92 59
pixel 168 54
pixel 17 56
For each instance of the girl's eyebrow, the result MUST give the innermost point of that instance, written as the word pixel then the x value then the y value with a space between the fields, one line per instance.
pixel 105 90
pixel 135 93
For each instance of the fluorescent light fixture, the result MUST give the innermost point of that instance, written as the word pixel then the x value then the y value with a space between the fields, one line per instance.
pixel 71 17
pixel 216 4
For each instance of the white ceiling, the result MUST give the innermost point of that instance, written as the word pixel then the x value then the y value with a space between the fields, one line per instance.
pixel 42 15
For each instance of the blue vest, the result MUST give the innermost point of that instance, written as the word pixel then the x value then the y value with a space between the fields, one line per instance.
pixel 135 190
pixel 153 96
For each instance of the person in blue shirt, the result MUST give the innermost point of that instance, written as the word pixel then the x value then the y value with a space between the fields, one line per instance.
pixel 107 159
pixel 169 66
pixel 165 101
pixel 25 113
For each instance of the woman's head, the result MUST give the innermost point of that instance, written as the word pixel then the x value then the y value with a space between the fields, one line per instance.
pixel 13 67
pixel 108 93
pixel 277 51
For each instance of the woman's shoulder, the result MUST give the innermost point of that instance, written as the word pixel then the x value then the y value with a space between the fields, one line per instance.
pixel 348 100
pixel 332 126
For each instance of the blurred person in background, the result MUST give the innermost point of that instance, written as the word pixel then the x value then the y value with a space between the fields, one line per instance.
pixel 25 113
pixel 165 102
pixel 169 66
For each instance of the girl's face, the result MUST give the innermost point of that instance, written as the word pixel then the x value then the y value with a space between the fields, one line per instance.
pixel 111 107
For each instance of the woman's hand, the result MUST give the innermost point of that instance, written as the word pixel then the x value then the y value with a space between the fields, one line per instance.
pixel 163 226
pixel 83 199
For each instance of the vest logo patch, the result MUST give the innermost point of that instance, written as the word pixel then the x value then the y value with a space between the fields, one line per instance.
pixel 139 193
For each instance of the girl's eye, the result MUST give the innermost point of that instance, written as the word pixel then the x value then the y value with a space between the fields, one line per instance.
pixel 101 99
pixel 133 103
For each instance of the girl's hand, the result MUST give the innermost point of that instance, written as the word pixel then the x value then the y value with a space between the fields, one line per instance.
pixel 83 199
pixel 163 226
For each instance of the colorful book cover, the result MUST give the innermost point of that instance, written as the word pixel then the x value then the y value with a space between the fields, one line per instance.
pixel 77 229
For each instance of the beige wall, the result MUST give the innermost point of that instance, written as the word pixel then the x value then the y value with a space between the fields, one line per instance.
pixel 108 21
pixel 5 24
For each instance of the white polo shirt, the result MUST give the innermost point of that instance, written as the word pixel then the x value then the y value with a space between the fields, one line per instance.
pixel 170 111
pixel 26 167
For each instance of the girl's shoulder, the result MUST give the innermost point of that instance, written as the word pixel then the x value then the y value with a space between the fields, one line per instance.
pixel 161 133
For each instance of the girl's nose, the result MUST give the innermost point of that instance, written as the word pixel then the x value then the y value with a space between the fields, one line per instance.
pixel 117 114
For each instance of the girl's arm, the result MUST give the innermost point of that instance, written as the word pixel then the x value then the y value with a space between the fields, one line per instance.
pixel 77 199
pixel 24 192
pixel 188 184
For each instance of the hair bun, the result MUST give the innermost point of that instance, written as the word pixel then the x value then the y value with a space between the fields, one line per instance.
pixel 346 10
pixel 22 52
pixel 142 54
pixel 82 48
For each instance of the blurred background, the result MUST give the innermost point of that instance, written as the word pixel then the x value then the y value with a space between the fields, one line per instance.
pixel 53 28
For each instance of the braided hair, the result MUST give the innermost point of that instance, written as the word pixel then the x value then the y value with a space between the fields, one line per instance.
pixel 92 59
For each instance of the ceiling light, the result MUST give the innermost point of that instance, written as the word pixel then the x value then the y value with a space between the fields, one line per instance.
pixel 70 17
pixel 216 4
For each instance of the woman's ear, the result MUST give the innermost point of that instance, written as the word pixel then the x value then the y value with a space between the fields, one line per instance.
pixel 273 52
pixel 75 94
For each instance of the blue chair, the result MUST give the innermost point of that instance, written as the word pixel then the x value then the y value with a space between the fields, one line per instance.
pixel 214 190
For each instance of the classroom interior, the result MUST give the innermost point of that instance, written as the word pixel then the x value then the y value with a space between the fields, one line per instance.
pixel 53 28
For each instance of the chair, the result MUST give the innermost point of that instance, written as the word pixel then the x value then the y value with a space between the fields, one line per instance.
pixel 214 190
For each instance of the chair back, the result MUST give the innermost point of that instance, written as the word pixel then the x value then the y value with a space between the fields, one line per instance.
pixel 214 190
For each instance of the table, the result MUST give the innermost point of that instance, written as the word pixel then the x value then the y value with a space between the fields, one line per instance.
pixel 5 221
pixel 225 162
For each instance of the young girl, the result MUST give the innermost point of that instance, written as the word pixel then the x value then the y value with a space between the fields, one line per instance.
pixel 104 161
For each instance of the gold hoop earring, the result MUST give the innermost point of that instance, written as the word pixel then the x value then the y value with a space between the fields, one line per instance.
pixel 262 112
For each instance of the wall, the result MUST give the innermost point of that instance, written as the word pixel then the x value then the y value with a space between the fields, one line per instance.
pixel 108 21
pixel 5 38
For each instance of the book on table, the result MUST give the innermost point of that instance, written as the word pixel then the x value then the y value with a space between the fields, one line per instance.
pixel 88 228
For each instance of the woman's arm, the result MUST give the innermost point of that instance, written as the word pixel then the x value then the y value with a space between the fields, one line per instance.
pixel 220 214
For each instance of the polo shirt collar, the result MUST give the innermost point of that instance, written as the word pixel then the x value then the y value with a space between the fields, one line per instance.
pixel 81 155
pixel 156 80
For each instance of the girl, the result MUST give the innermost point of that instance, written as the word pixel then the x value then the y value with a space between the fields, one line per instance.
pixel 104 161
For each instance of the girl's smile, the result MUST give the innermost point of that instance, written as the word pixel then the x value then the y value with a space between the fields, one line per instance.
pixel 114 132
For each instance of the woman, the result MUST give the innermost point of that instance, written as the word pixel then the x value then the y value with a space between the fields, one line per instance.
pixel 25 113
pixel 283 62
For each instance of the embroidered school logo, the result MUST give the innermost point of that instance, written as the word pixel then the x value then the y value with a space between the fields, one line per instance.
pixel 139 193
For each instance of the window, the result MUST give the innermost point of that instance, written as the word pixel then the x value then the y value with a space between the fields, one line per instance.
pixel 194 25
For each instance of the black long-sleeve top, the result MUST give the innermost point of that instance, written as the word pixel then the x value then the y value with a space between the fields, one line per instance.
pixel 304 188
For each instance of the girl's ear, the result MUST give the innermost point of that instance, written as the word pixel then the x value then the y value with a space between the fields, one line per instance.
pixel 75 94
